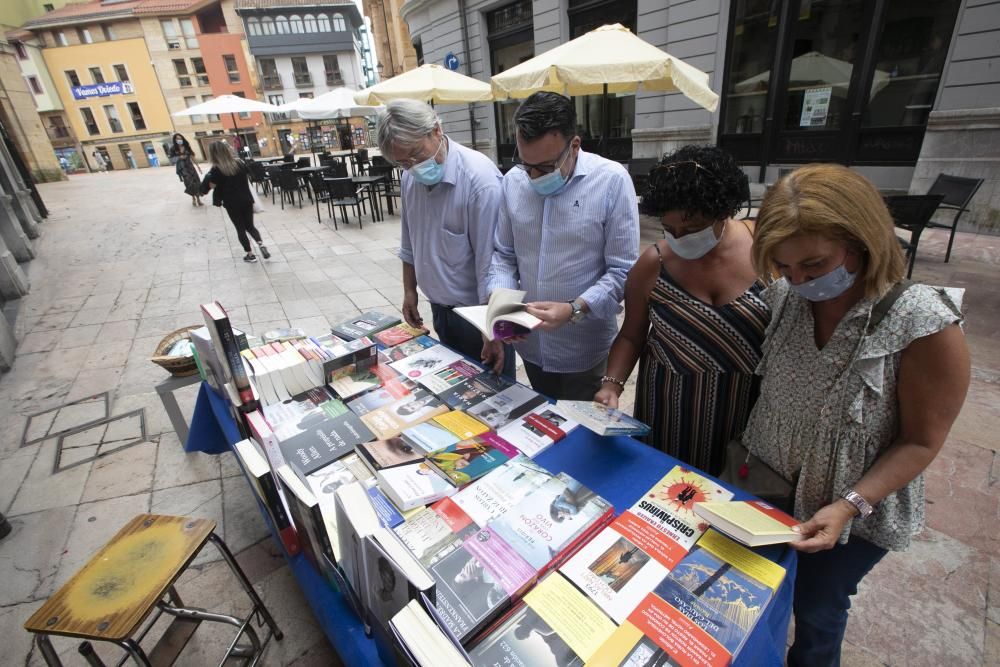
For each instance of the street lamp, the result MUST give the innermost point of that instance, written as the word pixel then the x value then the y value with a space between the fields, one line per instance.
pixel 380 69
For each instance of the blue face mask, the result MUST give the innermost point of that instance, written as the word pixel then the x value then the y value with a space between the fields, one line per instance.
pixel 551 183
pixel 826 287
pixel 430 171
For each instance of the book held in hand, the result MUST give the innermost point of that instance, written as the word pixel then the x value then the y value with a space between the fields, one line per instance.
pixel 752 522
pixel 601 419
pixel 505 316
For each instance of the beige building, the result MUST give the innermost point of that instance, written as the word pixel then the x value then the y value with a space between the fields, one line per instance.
pixel 391 37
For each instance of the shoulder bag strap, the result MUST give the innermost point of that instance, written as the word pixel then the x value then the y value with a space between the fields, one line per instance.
pixel 885 304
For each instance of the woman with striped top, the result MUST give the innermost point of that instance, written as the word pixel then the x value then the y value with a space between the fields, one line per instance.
pixel 694 318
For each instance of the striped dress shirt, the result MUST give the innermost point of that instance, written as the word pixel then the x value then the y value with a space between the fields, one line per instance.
pixel 581 243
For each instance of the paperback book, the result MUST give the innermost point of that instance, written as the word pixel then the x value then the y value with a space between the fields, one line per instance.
pixel 377 398
pixel 601 419
pixel 399 334
pixel 461 424
pixel 350 384
pixel 367 324
pixel 228 350
pixel 538 430
pixel 381 454
pixel 473 391
pixel 427 362
pixel 395 577
pixel 258 470
pixel 441 381
pixel 426 645
pixel 468 460
pixel 429 435
pixel 505 316
pixel 506 406
pixel 413 485
pixel 414 408
pixel 324 484
pixel 410 347
pixel 319 438
pixel 752 522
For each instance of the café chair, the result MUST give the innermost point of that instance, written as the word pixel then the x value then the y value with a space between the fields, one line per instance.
pixel 120 594
pixel 273 179
pixel 258 176
pixel 303 162
pixel 638 171
pixel 344 193
pixel 957 192
pixel 321 193
pixel 361 161
pixel 912 213
pixel 290 187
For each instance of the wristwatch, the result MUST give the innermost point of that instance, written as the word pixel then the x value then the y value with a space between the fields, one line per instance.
pixel 578 313
pixel 863 506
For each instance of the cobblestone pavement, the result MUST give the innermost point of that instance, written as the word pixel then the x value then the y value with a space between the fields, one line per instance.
pixel 124 259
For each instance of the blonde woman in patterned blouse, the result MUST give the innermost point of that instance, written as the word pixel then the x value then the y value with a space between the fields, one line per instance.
pixel 853 414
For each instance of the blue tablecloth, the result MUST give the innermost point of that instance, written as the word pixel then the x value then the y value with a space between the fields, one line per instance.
pixel 619 469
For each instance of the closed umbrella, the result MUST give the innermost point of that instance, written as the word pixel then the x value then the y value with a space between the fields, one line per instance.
pixel 427 83
pixel 230 104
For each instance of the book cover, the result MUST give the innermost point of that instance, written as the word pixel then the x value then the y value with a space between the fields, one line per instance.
pixel 470 459
pixel 307 516
pixel 494 494
pixel 359 380
pixel 324 484
pixel 461 424
pixel 506 406
pixel 669 507
pixel 441 381
pixel 317 439
pixel 294 408
pixel 350 357
pixel 365 325
pixel 255 464
pixel 601 419
pixel 356 519
pixel 421 640
pixel 412 485
pixel 472 391
pixel 430 536
pixel 399 334
pixel 429 435
pixel 505 316
pixel 410 347
pixel 388 515
pixel 538 430
pixel 382 454
pixel 377 398
pixel 390 420
pixel 393 578
pixel 426 362
pixel 752 522
pixel 228 350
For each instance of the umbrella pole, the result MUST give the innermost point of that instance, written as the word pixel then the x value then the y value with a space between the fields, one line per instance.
pixel 605 125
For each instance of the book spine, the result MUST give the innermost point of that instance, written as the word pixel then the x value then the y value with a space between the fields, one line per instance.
pixel 231 351
pixel 320 528
pixel 286 531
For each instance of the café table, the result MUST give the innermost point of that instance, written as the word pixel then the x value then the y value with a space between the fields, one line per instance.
pixel 374 181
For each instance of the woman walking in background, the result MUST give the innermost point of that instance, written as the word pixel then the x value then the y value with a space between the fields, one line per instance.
pixel 699 291
pixel 232 191
pixel 187 169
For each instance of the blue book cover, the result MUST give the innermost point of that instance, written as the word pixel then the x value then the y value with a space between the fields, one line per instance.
pixel 387 513
pixel 429 436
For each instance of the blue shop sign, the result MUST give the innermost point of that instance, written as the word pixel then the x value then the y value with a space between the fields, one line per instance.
pixel 103 89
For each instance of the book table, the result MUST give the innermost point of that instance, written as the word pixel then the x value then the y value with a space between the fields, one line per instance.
pixel 618 468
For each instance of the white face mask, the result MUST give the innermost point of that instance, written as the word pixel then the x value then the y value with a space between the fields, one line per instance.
pixel 696 245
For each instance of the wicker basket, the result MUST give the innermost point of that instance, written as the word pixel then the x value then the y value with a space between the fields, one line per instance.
pixel 178 366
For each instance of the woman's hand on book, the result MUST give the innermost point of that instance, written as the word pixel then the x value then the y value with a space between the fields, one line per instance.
pixel 608 395
pixel 822 531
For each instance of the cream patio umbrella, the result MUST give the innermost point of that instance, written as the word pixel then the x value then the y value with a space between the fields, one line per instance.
pixel 337 103
pixel 427 83
pixel 609 59
pixel 232 105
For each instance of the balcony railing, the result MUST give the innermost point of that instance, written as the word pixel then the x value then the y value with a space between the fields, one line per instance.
pixel 303 80
pixel 278 117
pixel 272 82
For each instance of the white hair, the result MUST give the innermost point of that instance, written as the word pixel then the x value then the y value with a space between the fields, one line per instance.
pixel 404 123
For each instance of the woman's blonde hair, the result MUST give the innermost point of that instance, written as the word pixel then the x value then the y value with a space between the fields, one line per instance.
pixel 836 203
pixel 221 155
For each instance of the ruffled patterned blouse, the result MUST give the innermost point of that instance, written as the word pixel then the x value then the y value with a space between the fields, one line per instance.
pixel 826 415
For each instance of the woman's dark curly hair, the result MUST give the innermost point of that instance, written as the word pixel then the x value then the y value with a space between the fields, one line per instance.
pixel 701 180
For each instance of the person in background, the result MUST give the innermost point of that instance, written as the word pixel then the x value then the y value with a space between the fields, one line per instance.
pixel 102 165
pixel 450 197
pixel 567 234
pixel 229 178
pixel 862 378
pixel 694 317
pixel 187 169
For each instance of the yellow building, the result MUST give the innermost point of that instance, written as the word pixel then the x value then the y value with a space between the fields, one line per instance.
pixel 113 100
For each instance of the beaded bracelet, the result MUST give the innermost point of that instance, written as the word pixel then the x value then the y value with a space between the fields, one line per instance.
pixel 613 380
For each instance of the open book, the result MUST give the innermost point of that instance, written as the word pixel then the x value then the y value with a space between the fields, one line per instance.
pixel 504 317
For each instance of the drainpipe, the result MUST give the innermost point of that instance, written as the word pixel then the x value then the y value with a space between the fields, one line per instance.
pixel 468 67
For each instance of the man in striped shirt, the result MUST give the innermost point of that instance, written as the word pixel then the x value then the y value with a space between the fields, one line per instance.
pixel 567 234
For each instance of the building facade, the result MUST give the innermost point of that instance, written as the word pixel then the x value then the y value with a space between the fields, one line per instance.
pixel 391 37
pixel 901 90
pixel 304 48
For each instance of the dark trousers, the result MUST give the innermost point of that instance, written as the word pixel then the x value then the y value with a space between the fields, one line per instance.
pixel 579 386
pixel 457 333
pixel 824 584
pixel 242 218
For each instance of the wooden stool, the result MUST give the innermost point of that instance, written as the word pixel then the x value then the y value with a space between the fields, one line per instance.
pixel 115 592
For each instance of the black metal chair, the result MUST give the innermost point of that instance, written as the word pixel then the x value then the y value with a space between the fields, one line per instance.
pixel 290 187
pixel 273 179
pixel 258 176
pixel 361 161
pixel 912 213
pixel 343 193
pixel 956 193
pixel 388 186
pixel 321 193
pixel 303 162
pixel 338 169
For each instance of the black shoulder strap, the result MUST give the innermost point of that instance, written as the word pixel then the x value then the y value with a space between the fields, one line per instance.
pixel 882 308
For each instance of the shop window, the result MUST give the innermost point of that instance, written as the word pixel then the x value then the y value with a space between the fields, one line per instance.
pixel 138 122
pixel 89 121
pixel 755 27
pixel 231 69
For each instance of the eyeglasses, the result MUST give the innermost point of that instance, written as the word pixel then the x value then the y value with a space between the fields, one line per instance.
pixel 543 168
pixel 407 163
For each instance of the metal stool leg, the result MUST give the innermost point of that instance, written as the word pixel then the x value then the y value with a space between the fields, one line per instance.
pixel 49 653
pixel 86 649
pixel 245 583
pixel 134 650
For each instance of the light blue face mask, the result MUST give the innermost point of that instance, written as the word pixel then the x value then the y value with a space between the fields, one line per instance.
pixel 551 183
pixel 430 171
pixel 828 286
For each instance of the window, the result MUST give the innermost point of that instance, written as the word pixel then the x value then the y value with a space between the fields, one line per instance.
pixel 170 34
pixel 48 6
pixel 180 68
pixel 253 26
pixel 138 122
pixel 310 23
pixel 332 67
pixel 750 55
pixel 338 23
pixel 36 87
pixel 121 72
pixel 22 53
pixel 281 25
pixel 277 100
pixel 295 24
pixel 111 113
pixel 243 114
pixel 270 78
pixel 61 38
pixel 231 69
pixel 198 65
pixel 89 121
pixel 84 35
pixel 305 96
pixel 324 23
pixel 187 29
pixel 58 129
pixel 109 33
pixel 190 102
pixel 212 117
pixel 301 69
pixel 71 76
pixel 96 75
pixel 267 26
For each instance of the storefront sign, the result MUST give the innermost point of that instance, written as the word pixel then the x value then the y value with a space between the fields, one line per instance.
pixel 103 89
pixel 815 106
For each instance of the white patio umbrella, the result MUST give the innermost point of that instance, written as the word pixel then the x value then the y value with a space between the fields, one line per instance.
pixel 230 104
pixel 427 83
pixel 338 103
pixel 814 69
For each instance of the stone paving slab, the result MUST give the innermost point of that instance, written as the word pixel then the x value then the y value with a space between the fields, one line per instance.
pixel 124 259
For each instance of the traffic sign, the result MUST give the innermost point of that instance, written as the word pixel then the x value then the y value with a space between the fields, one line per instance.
pixel 451 61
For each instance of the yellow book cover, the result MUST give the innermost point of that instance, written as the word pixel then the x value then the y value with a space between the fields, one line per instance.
pixel 577 620
pixel 754 517
pixel 461 424
pixel 762 569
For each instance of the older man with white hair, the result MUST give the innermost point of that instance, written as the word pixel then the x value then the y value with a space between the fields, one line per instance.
pixel 450 199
